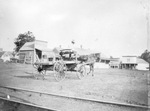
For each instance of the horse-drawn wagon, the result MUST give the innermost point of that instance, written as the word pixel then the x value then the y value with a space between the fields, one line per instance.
pixel 67 60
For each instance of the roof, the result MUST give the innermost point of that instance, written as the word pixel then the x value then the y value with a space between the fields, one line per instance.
pixel 129 56
pixel 57 49
pixel 41 41
pixel 31 45
pixel 139 60
pixel 114 59
pixel 27 46
pixel 114 62
pixel 4 53
pixel 43 48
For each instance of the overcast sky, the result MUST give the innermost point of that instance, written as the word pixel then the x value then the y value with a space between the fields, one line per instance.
pixel 113 27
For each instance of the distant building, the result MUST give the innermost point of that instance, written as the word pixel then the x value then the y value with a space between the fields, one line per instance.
pixel 57 50
pixel 102 61
pixel 31 52
pixel 115 63
pixel 128 62
pixel 6 56
pixel 104 58
pixel 98 55
pixel 133 62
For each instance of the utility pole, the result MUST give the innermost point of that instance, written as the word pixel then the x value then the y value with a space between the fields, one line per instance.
pixel 146 6
pixel 148 25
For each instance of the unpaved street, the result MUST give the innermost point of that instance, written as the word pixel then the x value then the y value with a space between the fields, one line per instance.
pixel 114 85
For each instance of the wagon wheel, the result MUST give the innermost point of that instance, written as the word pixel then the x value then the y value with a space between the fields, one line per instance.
pixel 59 71
pixel 39 70
pixel 81 72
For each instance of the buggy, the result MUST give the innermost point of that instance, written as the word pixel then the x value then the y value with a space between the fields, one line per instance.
pixel 67 60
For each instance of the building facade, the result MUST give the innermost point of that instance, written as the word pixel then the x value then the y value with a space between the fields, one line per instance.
pixel 31 52
pixel 133 62
pixel 128 62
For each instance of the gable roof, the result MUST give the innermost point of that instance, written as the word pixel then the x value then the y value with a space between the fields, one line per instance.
pixel 37 44
pixel 57 50
pixel 139 60
pixel 129 56
pixel 27 46
pixel 6 54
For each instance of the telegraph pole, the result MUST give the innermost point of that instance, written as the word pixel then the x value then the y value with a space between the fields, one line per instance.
pixel 146 6
pixel 148 25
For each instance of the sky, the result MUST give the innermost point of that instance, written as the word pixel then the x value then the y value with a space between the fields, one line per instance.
pixel 112 27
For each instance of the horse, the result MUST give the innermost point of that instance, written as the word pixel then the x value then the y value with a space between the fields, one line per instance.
pixel 88 60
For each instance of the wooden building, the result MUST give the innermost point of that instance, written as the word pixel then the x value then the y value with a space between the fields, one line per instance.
pixel 128 62
pixel 31 52
pixel 104 58
pixel 115 63
pixel 6 56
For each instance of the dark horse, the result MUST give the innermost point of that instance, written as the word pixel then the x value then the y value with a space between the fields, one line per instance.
pixel 88 60
pixel 146 57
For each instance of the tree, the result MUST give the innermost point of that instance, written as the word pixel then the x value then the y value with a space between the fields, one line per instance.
pixel 22 39
pixel 146 57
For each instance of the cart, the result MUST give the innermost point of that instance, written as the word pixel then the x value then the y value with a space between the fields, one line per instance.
pixel 68 60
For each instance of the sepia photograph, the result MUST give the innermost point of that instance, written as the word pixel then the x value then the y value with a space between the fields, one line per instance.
pixel 74 55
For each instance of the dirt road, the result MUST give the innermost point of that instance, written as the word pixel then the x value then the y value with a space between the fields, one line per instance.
pixel 123 86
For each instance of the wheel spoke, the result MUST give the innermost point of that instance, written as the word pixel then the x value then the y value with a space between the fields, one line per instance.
pixel 59 71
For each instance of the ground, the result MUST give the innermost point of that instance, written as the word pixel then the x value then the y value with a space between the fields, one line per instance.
pixel 114 85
